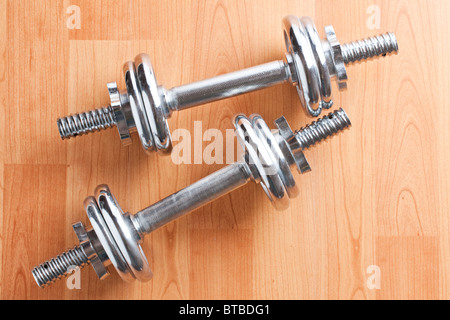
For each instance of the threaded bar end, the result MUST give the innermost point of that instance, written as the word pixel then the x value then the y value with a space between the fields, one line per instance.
pixel 86 122
pixel 368 48
pixel 60 267
pixel 323 128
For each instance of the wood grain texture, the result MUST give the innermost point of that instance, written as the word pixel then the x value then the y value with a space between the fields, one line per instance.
pixel 377 195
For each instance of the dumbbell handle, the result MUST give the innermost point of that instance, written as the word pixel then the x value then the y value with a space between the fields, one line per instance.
pixel 310 64
pixel 192 197
pixel 227 85
pixel 266 75
pixel 115 236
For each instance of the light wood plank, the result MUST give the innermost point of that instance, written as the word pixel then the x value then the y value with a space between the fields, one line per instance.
pixel 377 195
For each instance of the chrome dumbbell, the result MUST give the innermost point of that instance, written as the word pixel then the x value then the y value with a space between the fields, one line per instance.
pixel 309 64
pixel 115 236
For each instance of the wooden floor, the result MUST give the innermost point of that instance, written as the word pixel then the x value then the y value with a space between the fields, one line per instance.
pixel 378 194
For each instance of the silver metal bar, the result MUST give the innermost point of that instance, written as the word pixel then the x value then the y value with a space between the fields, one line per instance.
pixel 368 48
pixel 228 85
pixel 192 197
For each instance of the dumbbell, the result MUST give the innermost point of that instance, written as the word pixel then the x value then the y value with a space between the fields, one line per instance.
pixel 309 64
pixel 115 237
